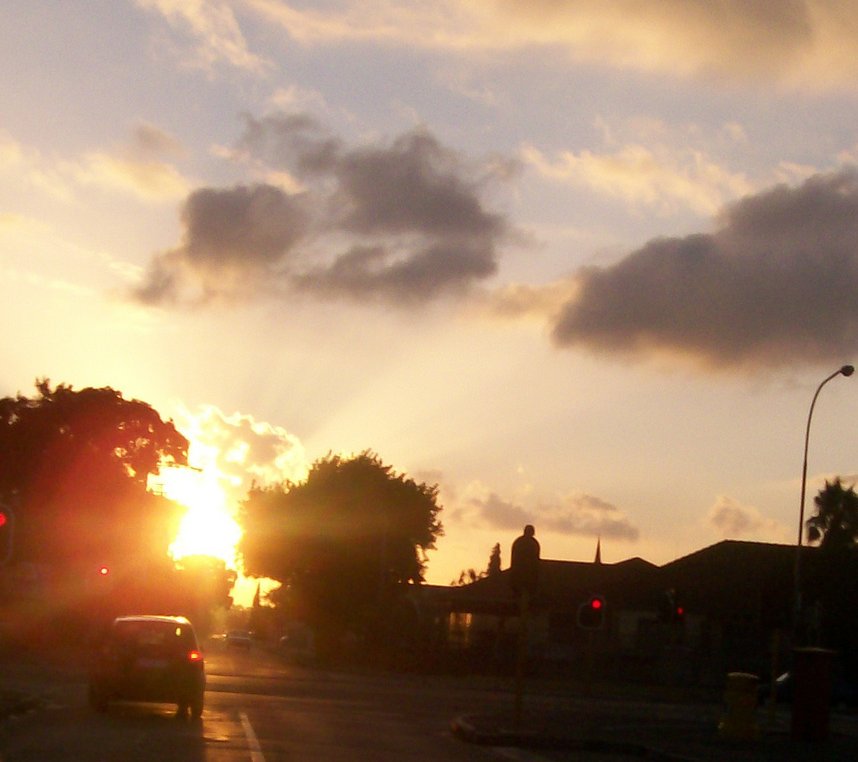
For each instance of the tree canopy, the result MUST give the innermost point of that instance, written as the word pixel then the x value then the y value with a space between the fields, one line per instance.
pixel 835 525
pixel 342 538
pixel 75 465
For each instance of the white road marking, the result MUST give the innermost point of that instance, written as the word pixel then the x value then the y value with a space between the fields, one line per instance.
pixel 256 754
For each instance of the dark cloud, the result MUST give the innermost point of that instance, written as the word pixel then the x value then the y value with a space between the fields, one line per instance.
pixel 235 241
pixel 776 283
pixel 375 272
pixel 581 515
pixel 413 205
pixel 401 222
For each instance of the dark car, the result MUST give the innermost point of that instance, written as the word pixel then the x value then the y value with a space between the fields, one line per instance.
pixel 238 639
pixel 149 658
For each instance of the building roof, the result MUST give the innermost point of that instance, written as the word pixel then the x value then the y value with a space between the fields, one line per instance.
pixel 562 584
pixel 719 577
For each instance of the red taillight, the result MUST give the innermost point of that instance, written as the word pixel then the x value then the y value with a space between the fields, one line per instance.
pixel 195 656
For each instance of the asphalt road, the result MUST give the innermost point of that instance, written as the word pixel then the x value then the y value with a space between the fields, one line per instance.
pixel 259 709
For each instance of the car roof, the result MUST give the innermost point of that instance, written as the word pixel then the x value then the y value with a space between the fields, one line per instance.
pixel 154 618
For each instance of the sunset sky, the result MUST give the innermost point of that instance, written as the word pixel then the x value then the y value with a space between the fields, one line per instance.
pixel 583 264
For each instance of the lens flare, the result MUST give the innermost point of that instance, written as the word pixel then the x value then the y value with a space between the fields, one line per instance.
pixel 208 526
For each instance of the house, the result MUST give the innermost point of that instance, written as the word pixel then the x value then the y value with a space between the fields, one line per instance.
pixel 726 607
pixel 481 621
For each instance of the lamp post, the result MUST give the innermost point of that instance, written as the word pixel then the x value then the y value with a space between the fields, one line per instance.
pixel 846 370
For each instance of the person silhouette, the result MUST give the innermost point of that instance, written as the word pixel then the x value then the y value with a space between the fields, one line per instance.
pixel 524 562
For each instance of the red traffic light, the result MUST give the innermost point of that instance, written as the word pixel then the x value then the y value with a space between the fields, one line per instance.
pixel 591 613
pixel 3 519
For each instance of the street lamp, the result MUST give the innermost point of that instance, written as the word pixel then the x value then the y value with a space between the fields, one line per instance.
pixel 846 370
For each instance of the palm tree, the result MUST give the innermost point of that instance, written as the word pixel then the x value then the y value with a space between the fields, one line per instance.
pixel 835 525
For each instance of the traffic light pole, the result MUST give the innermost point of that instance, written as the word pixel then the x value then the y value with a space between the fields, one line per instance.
pixel 521 656
pixel 589 662
pixel 7 533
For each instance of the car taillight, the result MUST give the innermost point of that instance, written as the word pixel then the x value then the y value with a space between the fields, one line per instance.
pixel 195 656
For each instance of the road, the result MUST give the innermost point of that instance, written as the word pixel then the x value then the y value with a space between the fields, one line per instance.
pixel 259 709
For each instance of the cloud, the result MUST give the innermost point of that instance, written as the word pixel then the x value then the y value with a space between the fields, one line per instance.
pixel 148 140
pixel 149 180
pixel 140 166
pixel 241 449
pixel 400 223
pixel 797 43
pixel 137 167
pixel 520 300
pixel 732 520
pixel 774 284
pixel 235 242
pixel 214 27
pixel 654 178
pixel 32 169
pixel 583 515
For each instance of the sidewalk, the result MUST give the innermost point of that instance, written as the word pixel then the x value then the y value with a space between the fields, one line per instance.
pixel 655 731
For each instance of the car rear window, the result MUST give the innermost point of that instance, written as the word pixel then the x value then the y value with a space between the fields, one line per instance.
pixel 153 638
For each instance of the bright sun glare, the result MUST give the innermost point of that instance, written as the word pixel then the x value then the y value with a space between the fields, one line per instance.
pixel 208 527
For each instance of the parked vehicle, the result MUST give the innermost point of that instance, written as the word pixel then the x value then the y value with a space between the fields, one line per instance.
pixel 149 658
pixel 238 639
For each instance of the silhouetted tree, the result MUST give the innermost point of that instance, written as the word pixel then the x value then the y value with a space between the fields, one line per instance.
pixel 466 577
pixel 494 566
pixel 835 525
pixel 832 582
pixel 343 540
pixel 76 464
pixel 469 576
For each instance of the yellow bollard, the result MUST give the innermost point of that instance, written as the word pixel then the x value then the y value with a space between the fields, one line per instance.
pixel 739 722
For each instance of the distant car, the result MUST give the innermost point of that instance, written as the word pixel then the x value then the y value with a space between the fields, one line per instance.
pixel 149 658
pixel 238 639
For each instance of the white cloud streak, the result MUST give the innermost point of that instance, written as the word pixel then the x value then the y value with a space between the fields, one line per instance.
pixel 643 177
pixel 809 44
pixel 214 28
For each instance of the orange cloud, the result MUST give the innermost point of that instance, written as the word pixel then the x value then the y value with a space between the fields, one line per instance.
pixel 798 43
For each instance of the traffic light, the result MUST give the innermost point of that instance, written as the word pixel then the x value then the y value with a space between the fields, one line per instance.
pixel 591 613
pixel 7 528
pixel 670 609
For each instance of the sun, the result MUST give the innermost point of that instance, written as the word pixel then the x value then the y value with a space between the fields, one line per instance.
pixel 208 526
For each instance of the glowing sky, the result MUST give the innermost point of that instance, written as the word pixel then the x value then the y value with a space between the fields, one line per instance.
pixel 583 264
